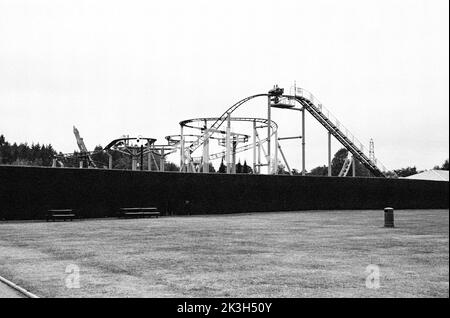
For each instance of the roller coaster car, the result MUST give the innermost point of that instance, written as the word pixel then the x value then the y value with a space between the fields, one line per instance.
pixel 276 91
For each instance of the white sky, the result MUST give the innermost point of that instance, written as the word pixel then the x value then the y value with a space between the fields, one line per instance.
pixel 139 67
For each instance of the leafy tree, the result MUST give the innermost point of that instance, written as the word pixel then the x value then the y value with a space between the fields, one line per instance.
pixel 281 168
pixel 100 157
pixel 361 170
pixel 338 161
pixel 23 154
pixel 222 168
pixel 246 168
pixel 170 166
pixel 239 167
pixel 405 172
pixel 391 174
pixel 123 162
pixel 211 168
pixel 444 166
pixel 336 166
pixel 319 171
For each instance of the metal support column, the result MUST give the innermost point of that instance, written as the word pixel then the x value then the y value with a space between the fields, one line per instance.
pixel 303 142
pixel 329 154
pixel 259 157
pixel 162 160
pixel 149 158
pixel 142 158
pixel 254 146
pixel 353 166
pixel 206 153
pixel 228 144
pixel 181 149
pixel 233 155
pixel 275 155
pixel 110 161
pixel 133 159
pixel 152 154
pixel 268 135
pixel 284 159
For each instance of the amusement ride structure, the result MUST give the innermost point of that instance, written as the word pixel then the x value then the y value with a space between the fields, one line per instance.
pixel 196 135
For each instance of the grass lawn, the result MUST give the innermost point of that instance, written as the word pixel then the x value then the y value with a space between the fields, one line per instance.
pixel 288 254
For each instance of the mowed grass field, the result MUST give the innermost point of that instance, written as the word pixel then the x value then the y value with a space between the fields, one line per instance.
pixel 286 254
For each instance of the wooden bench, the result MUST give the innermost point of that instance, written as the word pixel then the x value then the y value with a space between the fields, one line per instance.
pixel 61 214
pixel 139 212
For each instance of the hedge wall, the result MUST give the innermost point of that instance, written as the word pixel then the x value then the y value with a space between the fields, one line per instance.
pixel 28 192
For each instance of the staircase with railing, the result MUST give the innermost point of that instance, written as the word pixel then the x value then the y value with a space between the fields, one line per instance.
pixel 339 131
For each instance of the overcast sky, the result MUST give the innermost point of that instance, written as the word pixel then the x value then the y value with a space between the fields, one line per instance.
pixel 139 67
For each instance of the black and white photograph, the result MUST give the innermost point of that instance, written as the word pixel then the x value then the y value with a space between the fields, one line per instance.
pixel 220 157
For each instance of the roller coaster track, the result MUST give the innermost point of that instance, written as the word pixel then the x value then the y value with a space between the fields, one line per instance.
pixel 262 121
pixel 345 168
pixel 83 148
pixel 220 120
pixel 322 115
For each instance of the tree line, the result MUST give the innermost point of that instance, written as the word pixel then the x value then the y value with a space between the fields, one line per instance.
pixel 361 171
pixel 24 154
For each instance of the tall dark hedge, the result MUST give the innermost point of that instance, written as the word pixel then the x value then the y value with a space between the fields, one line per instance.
pixel 28 192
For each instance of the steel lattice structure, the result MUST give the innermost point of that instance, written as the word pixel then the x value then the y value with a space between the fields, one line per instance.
pixel 219 128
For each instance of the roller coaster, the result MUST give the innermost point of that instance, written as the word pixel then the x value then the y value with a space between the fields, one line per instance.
pixel 196 134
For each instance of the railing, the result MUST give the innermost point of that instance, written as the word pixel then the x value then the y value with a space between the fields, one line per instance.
pixel 337 125
pixel 274 130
